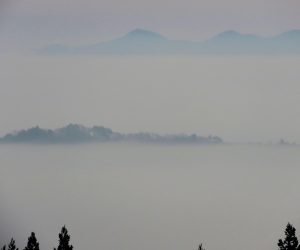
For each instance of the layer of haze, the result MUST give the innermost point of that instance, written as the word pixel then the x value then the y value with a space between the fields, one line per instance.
pixel 135 197
pixel 140 198
pixel 34 23
pixel 241 99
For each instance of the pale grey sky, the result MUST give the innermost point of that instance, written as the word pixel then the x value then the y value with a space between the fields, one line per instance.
pixel 240 98
pixel 33 22
pixel 248 99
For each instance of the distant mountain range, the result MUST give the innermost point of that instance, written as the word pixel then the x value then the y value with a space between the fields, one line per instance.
pixel 74 133
pixel 141 41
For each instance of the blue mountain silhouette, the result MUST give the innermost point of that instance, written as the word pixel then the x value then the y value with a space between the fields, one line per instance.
pixel 141 41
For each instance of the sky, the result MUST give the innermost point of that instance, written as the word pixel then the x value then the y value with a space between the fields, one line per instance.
pixel 33 23
pixel 240 99
pixel 247 99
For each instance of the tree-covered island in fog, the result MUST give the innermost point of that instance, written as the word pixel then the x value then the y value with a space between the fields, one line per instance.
pixel 75 133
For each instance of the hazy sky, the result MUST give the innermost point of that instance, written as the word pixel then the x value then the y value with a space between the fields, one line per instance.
pixel 239 98
pixel 33 22
pixel 165 198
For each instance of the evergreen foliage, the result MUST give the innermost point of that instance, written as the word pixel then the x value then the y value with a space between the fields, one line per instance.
pixel 32 243
pixel 64 239
pixel 201 247
pixel 290 242
pixel 12 245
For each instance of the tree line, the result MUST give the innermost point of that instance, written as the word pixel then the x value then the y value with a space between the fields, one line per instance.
pixel 290 242
pixel 33 244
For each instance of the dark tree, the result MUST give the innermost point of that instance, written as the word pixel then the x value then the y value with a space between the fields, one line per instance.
pixel 32 243
pixel 290 242
pixel 3 248
pixel 12 245
pixel 200 247
pixel 64 239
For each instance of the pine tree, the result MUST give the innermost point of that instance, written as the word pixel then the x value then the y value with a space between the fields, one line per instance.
pixel 200 247
pixel 3 248
pixel 290 242
pixel 32 243
pixel 12 245
pixel 64 239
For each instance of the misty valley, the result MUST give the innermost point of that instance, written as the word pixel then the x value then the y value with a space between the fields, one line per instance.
pixel 149 125
pixel 174 151
pixel 170 196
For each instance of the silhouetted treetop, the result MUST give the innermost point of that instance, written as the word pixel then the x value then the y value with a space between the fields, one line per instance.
pixel 201 247
pixel 12 245
pixel 32 243
pixel 290 242
pixel 64 239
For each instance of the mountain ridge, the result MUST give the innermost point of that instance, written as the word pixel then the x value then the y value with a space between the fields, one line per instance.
pixel 142 41
pixel 142 33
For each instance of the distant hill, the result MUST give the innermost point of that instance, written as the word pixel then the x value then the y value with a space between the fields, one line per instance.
pixel 142 35
pixel 74 133
pixel 140 41
pixel 233 36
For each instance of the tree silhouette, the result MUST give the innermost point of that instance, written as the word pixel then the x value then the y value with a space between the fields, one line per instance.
pixel 12 245
pixel 201 247
pixel 3 248
pixel 290 242
pixel 32 243
pixel 64 239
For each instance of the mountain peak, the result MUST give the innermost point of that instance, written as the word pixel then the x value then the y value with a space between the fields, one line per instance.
pixel 291 34
pixel 229 34
pixel 144 34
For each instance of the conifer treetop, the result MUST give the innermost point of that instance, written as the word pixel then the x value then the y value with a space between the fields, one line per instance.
pixel 64 239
